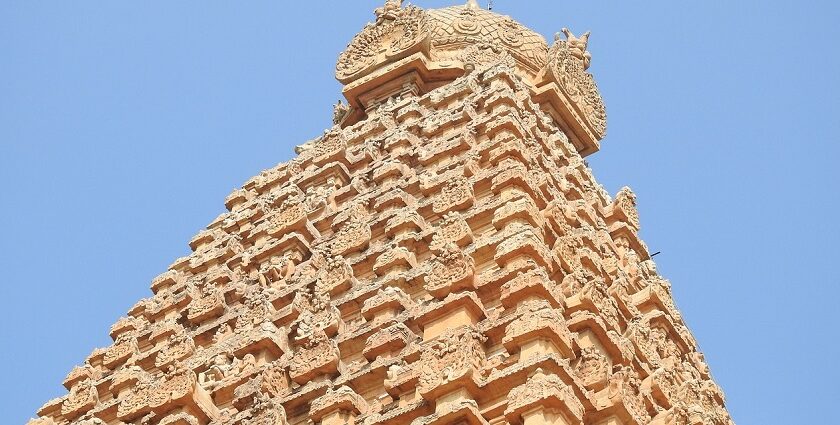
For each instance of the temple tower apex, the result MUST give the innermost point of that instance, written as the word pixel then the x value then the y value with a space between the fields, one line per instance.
pixel 441 255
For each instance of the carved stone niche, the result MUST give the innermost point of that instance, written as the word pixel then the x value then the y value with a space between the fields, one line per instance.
pixel 389 340
pixel 177 388
pixel 315 312
pixel 662 384
pixel 593 367
pixel 531 284
pixel 386 304
pixel 353 236
pixel 622 398
pixel 128 324
pixel 514 180
pixel 225 370
pixel 179 347
pixel 395 199
pixel 389 172
pixel 454 195
pixel 80 373
pixel 522 211
pixel 124 380
pixel 290 217
pixel 406 221
pixel 452 229
pixel 266 411
pixel 255 311
pixel 452 270
pixel 577 250
pixel 451 362
pixel 395 260
pixel 123 349
pixel 525 244
pixel 655 338
pixel 543 399
pixel 336 276
pixel 329 148
pixel 272 380
pixel 83 397
pixel 509 150
pixel 338 407
pixel 457 309
pixel 319 357
pixel 207 303
pixel 584 292
pixel 538 329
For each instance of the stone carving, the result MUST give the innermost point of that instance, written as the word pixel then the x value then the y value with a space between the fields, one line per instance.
pixel 538 320
pixel 546 390
pixel 577 46
pixel 266 411
pixel 124 348
pixel 396 30
pixel 275 272
pixel 353 236
pixel 342 398
pixel 319 355
pixel 453 229
pixel 454 195
pixel 484 54
pixel 179 347
pixel 458 354
pixel 316 314
pixel 452 270
pixel 593 368
pixel 625 204
pixel 390 339
pixel 624 388
pixel 83 396
pixel 569 60
pixel 443 254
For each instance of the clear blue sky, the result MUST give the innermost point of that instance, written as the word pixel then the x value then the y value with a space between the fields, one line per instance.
pixel 124 124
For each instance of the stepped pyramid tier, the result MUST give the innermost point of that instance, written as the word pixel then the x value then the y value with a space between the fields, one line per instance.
pixel 442 255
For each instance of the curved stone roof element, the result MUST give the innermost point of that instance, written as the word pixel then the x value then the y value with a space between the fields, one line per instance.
pixel 411 51
pixel 455 29
pixel 446 35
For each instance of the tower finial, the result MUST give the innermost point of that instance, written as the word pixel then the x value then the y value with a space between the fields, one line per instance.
pixel 473 4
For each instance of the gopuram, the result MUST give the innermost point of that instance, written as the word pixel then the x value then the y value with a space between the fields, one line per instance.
pixel 441 255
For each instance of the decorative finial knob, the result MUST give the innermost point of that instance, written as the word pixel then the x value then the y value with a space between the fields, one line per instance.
pixel 473 4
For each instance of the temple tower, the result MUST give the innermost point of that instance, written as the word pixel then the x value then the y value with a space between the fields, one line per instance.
pixel 441 255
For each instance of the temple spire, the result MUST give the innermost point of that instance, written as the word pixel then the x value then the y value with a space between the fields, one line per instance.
pixel 473 4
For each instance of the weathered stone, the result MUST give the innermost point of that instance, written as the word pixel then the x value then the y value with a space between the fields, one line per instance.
pixel 441 255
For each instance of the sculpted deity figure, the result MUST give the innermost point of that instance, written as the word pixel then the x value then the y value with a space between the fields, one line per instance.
pixel 223 332
pixel 219 369
pixel 276 271
pixel 340 110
